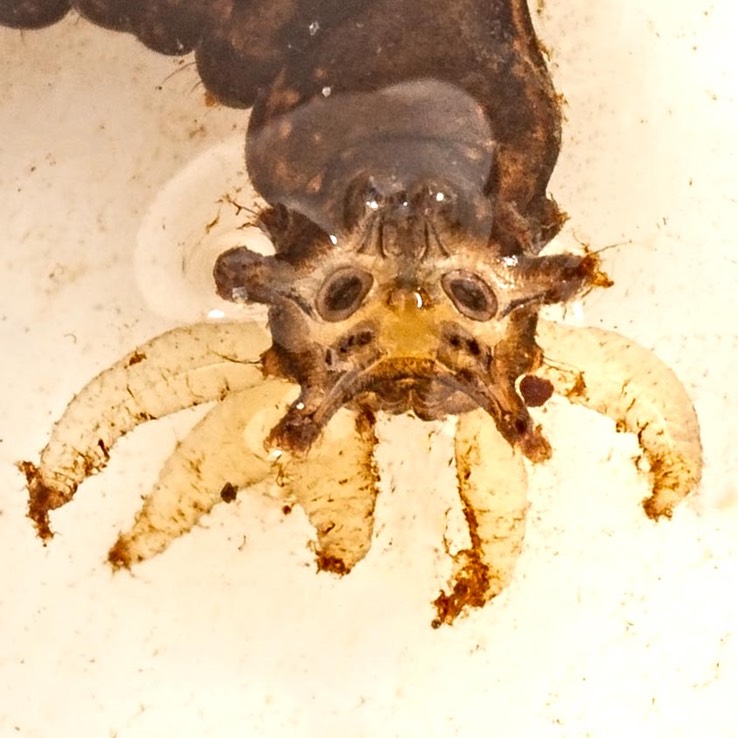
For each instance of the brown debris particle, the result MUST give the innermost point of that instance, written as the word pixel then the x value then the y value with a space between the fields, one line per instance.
pixel 662 474
pixel 579 389
pixel 472 581
pixel 535 390
pixel 228 493
pixel 119 556
pixel 470 588
pixel 135 358
pixel 332 564
pixel 41 499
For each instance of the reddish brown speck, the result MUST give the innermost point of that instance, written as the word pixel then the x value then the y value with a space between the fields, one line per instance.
pixel 135 358
pixel 535 390
pixel 228 493
pixel 119 557
pixel 332 564
pixel 41 499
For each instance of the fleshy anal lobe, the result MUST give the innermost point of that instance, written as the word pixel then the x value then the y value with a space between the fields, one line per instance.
pixel 458 364
pixel 388 107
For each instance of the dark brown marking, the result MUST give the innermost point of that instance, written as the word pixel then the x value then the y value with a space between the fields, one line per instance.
pixel 535 391
pixel 229 492
pixel 135 358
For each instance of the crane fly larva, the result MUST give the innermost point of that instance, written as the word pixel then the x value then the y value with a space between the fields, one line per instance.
pixel 404 154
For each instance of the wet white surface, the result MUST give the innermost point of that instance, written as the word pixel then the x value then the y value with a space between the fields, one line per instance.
pixel 613 625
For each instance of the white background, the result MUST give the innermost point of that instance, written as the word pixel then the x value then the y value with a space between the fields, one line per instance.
pixel 613 625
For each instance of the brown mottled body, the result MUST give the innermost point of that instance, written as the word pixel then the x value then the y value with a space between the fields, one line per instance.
pixel 405 153
pixel 281 55
pixel 485 48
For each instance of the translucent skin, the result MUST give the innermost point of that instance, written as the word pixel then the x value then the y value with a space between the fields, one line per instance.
pixel 336 483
